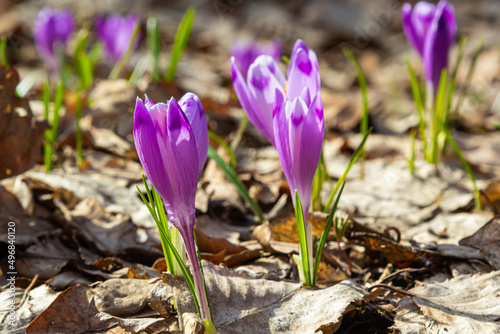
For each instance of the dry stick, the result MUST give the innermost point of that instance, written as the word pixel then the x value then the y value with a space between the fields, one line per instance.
pixel 27 291
pixel 346 258
pixel 391 288
pixel 405 270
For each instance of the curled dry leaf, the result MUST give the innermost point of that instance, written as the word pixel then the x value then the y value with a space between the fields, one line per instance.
pixel 242 305
pixel 465 304
pixel 21 136
pixel 487 240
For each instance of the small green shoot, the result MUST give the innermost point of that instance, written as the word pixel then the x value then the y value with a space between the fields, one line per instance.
pixel 157 211
pixel 180 42
pixel 3 51
pixel 117 70
pixel 324 235
pixel 438 118
pixel 233 177
pixel 229 150
pixel 363 126
pixel 318 181
pixel 419 105
pixel 353 160
pixel 304 249
pixel 411 161
pixel 468 169
pixel 154 46
pixel 468 78
pixel 78 116
pixel 239 131
pixel 285 59
pixel 51 134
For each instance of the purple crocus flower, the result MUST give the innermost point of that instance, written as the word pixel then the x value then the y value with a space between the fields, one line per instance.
pixel 299 130
pixel 245 53
pixel 431 30
pixel 51 32
pixel 115 32
pixel 172 143
pixel 257 93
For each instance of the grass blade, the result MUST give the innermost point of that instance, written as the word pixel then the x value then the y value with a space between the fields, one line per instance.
pixel 324 235
pixel 439 124
pixel 304 250
pixel 180 42
pixel 3 51
pixel 318 181
pixel 231 174
pixel 47 147
pixel 468 169
pixel 222 142
pixel 468 79
pixel 419 105
pixel 154 46
pixel 411 161
pixel 353 160
pixel 117 70
pixel 78 116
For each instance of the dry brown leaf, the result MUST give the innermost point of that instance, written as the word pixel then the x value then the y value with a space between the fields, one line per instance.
pixel 20 135
pixel 487 240
pixel 465 304
pixel 242 305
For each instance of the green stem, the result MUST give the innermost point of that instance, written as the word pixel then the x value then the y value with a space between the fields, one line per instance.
pixel 117 70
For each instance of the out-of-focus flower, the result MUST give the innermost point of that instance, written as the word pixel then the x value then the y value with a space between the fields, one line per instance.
pixel 115 33
pixel 257 94
pixel 51 32
pixel 172 143
pixel 299 129
pixel 245 53
pixel 431 30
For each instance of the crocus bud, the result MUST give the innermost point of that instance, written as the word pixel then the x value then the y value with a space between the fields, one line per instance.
pixel 299 129
pixel 246 53
pixel 431 30
pixel 51 32
pixel 257 93
pixel 115 33
pixel 172 143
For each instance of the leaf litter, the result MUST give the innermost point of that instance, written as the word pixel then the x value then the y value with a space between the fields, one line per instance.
pixel 419 258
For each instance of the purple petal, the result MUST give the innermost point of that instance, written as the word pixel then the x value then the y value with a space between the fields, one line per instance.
pixel 282 138
pixel 158 164
pixel 185 156
pixel 303 71
pixel 115 32
pixel 437 46
pixel 191 105
pixel 52 29
pixel 451 21
pixel 246 53
pixel 257 111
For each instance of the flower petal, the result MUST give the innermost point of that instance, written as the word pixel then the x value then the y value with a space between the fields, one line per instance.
pixel 156 165
pixel 191 105
pixel 182 144
pixel 258 111
pixel 437 45
pixel 303 71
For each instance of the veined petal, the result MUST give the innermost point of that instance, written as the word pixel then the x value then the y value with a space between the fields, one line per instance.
pixel 303 71
pixel 421 20
pixel 182 144
pixel 256 110
pixel 191 105
pixel 282 137
pixel 158 164
pixel 436 48
pixel 451 21
pixel 262 84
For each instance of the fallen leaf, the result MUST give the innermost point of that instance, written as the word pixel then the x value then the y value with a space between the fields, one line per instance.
pixel 465 304
pixel 21 136
pixel 487 240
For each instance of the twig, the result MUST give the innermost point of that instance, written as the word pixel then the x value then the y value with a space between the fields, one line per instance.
pixel 391 288
pixel 25 294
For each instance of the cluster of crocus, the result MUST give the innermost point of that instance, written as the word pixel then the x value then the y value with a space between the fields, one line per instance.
pixel 290 115
pixel 245 53
pixel 115 32
pixel 53 29
pixel 51 32
pixel 431 30
pixel 172 143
